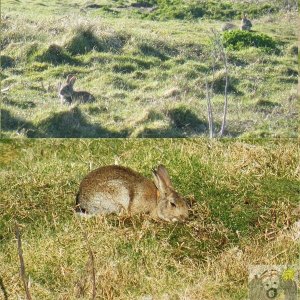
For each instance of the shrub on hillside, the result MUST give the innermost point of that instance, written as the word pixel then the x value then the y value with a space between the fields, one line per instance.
pixel 84 39
pixel 55 55
pixel 240 39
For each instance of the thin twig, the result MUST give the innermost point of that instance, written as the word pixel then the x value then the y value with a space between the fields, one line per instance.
pixel 22 265
pixel 225 108
pixel 92 261
pixel 219 50
pixel 209 112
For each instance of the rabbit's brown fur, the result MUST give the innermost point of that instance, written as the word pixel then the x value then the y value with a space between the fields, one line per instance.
pixel 117 189
pixel 246 23
pixel 68 95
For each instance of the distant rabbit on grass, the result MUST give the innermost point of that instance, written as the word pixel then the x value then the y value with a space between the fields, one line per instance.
pixel 228 27
pixel 117 189
pixel 246 23
pixel 68 95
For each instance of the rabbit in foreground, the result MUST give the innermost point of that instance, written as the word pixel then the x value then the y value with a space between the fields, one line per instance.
pixel 68 95
pixel 117 189
pixel 246 23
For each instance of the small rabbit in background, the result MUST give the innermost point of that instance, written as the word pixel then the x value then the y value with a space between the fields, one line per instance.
pixel 228 27
pixel 246 23
pixel 117 189
pixel 68 95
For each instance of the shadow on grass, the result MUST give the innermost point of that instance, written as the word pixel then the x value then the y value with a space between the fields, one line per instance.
pixel 55 55
pixel 152 51
pixel 6 61
pixel 22 105
pixel 72 124
pixel 183 122
pixel 65 124
pixel 10 122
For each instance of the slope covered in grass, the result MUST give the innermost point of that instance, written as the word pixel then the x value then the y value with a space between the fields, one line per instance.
pixel 138 67
pixel 244 199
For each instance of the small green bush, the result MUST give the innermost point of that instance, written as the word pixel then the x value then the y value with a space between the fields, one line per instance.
pixel 240 39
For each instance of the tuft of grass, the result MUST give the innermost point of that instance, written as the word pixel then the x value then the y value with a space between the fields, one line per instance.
pixel 54 54
pixel 83 40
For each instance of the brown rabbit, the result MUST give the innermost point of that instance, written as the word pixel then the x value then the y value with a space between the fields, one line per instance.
pixel 246 23
pixel 117 189
pixel 228 27
pixel 68 95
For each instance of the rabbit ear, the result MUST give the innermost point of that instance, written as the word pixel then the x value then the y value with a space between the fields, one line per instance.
pixel 161 179
pixel 163 174
pixel 69 78
pixel 72 80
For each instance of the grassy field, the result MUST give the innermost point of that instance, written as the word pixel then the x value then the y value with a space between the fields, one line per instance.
pixel 245 202
pixel 147 67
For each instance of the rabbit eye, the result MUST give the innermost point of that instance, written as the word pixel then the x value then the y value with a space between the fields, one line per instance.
pixel 173 204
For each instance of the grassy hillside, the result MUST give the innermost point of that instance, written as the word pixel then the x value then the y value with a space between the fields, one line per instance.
pixel 147 65
pixel 244 196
